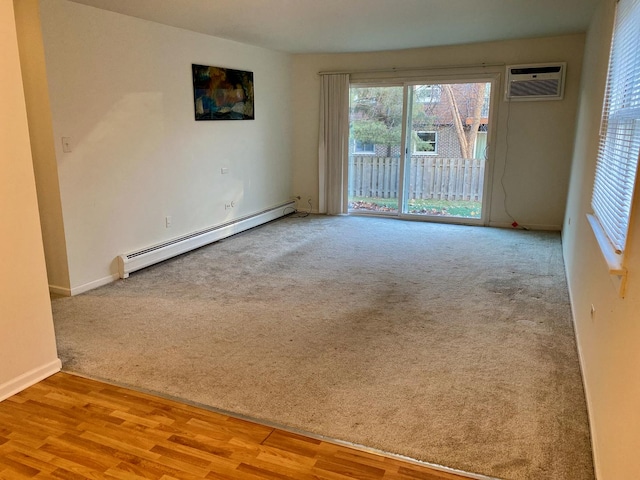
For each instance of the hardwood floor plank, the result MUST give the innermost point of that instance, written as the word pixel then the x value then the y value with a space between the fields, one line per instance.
pixel 230 429
pixel 87 458
pixel 181 456
pixel 43 420
pixel 360 457
pixel 349 468
pixel 200 446
pixel 262 472
pixel 135 445
pixel 68 468
pixel 70 427
pixel 26 449
pixel 40 465
pixel 293 443
pixel 135 419
pixel 137 469
pixel 284 458
pixel 100 414
pixel 63 473
pixel 412 473
pixel 18 467
pixel 131 473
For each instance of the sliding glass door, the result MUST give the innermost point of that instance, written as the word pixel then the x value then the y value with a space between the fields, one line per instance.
pixel 419 150
pixel 375 146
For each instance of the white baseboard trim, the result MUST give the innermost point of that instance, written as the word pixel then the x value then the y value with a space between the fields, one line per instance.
pixel 56 289
pixel 95 284
pixel 529 226
pixel 222 231
pixel 29 378
pixel 150 255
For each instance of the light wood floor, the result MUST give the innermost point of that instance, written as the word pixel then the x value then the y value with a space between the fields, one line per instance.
pixel 71 427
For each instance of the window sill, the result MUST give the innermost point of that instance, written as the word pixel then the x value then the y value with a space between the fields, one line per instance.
pixel 617 271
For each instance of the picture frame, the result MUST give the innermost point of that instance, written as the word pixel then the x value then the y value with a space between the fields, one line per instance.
pixel 222 93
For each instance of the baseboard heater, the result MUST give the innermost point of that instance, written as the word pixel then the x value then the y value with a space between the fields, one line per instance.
pixel 133 261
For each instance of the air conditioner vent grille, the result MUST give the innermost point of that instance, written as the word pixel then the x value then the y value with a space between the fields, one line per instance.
pixel 535 88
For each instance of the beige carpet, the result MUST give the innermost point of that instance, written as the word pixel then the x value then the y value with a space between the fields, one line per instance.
pixel 448 344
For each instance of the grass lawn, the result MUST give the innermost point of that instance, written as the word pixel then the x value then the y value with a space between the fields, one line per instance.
pixel 448 208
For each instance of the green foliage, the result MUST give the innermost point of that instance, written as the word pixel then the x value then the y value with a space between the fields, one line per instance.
pixel 376 115
pixel 368 131
pixel 375 132
pixel 446 208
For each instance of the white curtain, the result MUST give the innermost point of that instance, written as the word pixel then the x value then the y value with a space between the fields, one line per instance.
pixel 333 147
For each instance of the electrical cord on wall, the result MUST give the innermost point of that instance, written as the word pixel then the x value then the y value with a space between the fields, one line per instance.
pixel 285 212
pixel 504 170
pixel 300 214
pixel 305 214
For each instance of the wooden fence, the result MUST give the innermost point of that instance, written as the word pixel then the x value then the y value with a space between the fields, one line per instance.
pixel 429 177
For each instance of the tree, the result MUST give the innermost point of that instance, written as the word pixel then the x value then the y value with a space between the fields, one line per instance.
pixel 476 98
pixel 373 132
pixel 376 115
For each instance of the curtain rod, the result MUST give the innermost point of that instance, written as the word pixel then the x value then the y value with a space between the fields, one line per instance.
pixel 411 69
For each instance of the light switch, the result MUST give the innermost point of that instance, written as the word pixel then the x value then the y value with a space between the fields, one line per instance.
pixel 66 144
pixel 224 170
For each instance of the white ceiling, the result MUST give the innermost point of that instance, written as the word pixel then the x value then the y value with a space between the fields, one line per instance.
pixel 329 26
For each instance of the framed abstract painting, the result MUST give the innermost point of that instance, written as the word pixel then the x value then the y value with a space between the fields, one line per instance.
pixel 222 93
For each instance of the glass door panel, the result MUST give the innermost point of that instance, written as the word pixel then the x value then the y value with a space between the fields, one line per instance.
pixel 446 149
pixel 375 143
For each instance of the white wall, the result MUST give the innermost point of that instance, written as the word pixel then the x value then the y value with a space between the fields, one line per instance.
pixel 42 142
pixel 27 343
pixel 608 343
pixel 121 89
pixel 540 133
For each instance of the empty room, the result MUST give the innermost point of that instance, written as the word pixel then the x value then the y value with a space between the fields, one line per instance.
pixel 244 236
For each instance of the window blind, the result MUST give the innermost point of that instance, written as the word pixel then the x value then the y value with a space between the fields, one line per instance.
pixel 619 146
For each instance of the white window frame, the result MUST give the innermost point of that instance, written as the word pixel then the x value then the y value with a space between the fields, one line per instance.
pixel 617 162
pixel 435 143
pixel 359 151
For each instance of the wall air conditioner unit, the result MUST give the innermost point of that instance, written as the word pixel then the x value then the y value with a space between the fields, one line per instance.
pixel 535 82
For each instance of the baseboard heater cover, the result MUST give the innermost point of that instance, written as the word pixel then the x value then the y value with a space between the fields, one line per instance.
pixel 130 262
